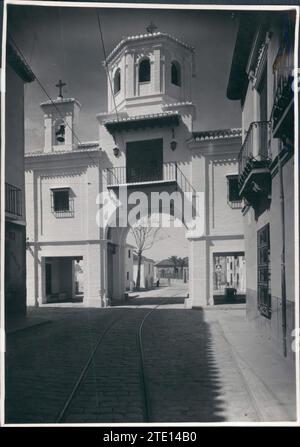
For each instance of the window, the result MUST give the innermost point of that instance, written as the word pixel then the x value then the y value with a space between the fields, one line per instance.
pixel 61 202
pixel 129 254
pixel 175 74
pixel 144 161
pixel 263 271
pixel 13 199
pixel 117 81
pixel 144 70
pixel 233 191
pixel 127 276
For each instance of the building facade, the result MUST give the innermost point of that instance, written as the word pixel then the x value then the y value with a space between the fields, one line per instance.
pixel 148 144
pixel 262 79
pixel 62 184
pixel 146 272
pixel 166 268
pixel 151 146
pixel 17 74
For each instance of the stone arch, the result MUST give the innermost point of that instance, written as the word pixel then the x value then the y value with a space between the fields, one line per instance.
pixel 116 268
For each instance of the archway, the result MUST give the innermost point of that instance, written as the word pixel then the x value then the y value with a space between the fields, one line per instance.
pixel 122 255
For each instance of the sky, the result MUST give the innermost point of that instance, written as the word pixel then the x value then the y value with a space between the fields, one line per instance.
pixel 169 242
pixel 64 43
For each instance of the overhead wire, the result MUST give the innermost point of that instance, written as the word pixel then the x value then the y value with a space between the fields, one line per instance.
pixel 49 97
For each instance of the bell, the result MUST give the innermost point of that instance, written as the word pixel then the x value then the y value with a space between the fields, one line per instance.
pixel 60 134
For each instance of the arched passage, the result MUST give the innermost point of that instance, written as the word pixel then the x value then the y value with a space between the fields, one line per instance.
pixel 117 251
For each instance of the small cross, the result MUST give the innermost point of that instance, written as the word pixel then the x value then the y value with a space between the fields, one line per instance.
pixel 60 85
pixel 151 28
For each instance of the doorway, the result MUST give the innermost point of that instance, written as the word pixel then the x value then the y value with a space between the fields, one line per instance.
pixel 144 161
pixel 63 279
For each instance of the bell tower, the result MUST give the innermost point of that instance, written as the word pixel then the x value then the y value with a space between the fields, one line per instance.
pixel 148 71
pixel 61 118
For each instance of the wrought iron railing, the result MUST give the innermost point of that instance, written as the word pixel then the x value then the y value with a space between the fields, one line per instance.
pixel 169 171
pixel 122 175
pixel 255 148
pixel 63 211
pixel 13 199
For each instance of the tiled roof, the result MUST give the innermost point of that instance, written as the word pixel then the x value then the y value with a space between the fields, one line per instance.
pixel 178 104
pixel 88 144
pixel 18 63
pixel 216 134
pixel 167 117
pixel 60 101
pixel 164 263
pixel 94 148
pixel 135 258
pixel 141 117
pixel 145 37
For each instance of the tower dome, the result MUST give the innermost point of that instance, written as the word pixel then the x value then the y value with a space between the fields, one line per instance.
pixel 148 71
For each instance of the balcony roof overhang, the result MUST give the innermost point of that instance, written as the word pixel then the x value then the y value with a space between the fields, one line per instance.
pixel 165 119
pixel 18 63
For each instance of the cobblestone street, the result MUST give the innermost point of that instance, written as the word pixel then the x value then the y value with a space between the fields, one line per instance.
pixel 193 372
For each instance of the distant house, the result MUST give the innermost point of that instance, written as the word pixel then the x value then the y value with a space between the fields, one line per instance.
pixel 167 269
pixel 147 271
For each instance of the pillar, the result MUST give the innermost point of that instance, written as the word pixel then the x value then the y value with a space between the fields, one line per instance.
pixel 119 286
pixel 92 277
pixel 199 273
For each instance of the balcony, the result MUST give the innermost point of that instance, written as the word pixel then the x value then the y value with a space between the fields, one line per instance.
pixel 254 159
pixel 283 110
pixel 13 199
pixel 148 175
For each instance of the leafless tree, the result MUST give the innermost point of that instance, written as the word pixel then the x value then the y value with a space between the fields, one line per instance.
pixel 145 236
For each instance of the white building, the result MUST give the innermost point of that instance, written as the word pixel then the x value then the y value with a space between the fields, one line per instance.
pixel 146 271
pixel 262 79
pixel 151 145
pixel 62 183
pixel 148 143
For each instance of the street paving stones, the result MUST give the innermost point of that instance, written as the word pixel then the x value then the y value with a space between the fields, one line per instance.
pixel 192 371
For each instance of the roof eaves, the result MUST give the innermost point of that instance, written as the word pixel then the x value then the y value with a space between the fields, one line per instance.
pixel 17 62
pixel 238 78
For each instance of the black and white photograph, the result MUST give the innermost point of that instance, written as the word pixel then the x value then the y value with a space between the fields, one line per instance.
pixel 149 206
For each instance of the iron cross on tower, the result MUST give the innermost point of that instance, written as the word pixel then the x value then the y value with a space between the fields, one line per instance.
pixel 151 28
pixel 60 85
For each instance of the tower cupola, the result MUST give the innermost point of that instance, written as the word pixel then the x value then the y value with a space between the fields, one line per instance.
pixel 147 71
